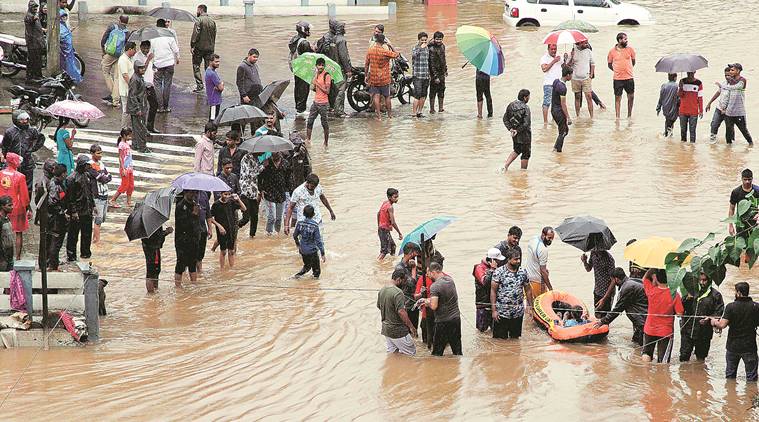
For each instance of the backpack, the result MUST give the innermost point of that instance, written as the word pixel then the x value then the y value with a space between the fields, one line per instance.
pixel 114 45
pixel 323 45
pixel 294 53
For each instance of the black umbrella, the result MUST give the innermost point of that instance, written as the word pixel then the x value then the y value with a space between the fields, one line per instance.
pixel 149 216
pixel 273 91
pixel 267 143
pixel 241 113
pixel 148 33
pixel 169 13
pixel 586 233
pixel 676 63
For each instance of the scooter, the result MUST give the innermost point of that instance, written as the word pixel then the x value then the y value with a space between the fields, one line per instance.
pixel 16 56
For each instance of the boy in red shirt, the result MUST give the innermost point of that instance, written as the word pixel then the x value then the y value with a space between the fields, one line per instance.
pixel 321 85
pixel 662 307
pixel 691 93
pixel 386 223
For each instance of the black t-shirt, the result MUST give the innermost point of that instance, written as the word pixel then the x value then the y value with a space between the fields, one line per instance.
pixel 225 214
pixel 738 194
pixel 187 225
pixel 559 90
pixel 743 317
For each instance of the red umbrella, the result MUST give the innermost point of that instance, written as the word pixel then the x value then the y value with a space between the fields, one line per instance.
pixel 564 36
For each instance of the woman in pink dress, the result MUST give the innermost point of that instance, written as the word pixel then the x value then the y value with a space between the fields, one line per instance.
pixel 13 184
pixel 126 168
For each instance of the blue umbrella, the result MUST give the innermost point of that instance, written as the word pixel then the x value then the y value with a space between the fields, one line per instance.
pixel 200 181
pixel 428 229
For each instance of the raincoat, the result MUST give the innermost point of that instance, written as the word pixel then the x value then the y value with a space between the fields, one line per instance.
pixel 13 184
pixel 68 60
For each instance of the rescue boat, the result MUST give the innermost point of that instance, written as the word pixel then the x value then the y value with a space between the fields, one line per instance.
pixel 546 317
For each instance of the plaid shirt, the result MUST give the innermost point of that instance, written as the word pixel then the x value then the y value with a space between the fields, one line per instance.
pixel 378 65
pixel 420 62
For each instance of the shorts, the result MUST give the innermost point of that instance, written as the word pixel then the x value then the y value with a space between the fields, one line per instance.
pixel 227 241
pixel 152 262
pixel 421 87
pixel 538 288
pixel 186 255
pixel 547 94
pixel 525 150
pixel 507 328
pixel 101 205
pixel 404 345
pixel 585 85
pixel 387 244
pixel 383 90
pixel 628 85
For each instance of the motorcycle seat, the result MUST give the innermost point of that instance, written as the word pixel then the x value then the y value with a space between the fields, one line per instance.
pixel 11 39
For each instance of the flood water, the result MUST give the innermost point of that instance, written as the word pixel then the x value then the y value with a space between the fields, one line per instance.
pixel 251 343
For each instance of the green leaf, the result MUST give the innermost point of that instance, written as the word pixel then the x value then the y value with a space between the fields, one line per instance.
pixel 709 237
pixel 755 243
pixel 714 253
pixel 689 245
pixel 740 243
pixel 733 219
pixel 695 264
pixel 743 206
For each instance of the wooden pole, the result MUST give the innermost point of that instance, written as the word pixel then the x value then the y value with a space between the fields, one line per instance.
pixel 53 39
pixel 43 210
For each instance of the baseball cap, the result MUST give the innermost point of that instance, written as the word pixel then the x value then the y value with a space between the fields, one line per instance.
pixel 495 253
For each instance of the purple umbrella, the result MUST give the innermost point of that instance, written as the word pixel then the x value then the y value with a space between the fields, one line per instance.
pixel 200 181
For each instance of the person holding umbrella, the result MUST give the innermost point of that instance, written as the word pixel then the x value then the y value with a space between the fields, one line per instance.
pixel 602 264
pixel 146 56
pixel 691 93
pixel 187 236
pixel 320 107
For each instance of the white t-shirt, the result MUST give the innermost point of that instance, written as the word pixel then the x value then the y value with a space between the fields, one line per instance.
pixel 149 71
pixel 535 257
pixel 553 73
pixel 125 65
pixel 301 197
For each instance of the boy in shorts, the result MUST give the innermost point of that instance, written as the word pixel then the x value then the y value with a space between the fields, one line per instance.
pixel 386 223
pixel 224 213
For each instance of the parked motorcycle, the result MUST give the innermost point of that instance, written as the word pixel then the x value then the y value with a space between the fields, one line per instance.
pixel 16 56
pixel 35 100
pixel 400 85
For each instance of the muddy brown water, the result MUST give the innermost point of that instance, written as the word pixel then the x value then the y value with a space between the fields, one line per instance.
pixel 251 343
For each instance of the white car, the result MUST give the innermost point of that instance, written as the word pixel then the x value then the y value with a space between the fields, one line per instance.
pixel 554 12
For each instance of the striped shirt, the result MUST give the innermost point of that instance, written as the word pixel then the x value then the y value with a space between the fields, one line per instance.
pixel 736 103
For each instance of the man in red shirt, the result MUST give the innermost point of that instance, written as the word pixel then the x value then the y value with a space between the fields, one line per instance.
pixel 691 93
pixel 378 74
pixel 662 307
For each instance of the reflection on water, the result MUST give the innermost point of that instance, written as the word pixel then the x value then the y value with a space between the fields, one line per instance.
pixel 251 343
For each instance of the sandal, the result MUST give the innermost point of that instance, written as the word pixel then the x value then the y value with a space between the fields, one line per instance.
pixel 112 204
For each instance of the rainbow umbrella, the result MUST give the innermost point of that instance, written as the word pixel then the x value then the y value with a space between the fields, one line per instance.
pixel 481 49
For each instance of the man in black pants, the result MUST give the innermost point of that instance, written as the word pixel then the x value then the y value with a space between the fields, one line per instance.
pixel 82 204
pixel 186 236
pixel 34 34
pixel 743 317
pixel 559 110
pixel 298 45
pixel 482 86
pixel 696 334
pixel 444 301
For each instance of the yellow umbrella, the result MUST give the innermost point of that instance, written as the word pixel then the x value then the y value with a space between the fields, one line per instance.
pixel 650 252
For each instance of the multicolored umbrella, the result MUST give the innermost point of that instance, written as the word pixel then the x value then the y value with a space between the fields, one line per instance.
pixel 577 25
pixel 481 49
pixel 304 67
pixel 77 110
pixel 564 36
pixel 428 229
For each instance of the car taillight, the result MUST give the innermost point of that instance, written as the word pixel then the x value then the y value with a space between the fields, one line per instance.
pixel 514 12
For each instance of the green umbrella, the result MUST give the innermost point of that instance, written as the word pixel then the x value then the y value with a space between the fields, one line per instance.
pixel 578 25
pixel 304 67
pixel 428 229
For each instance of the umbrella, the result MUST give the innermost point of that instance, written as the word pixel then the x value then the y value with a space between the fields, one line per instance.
pixel 304 67
pixel 148 33
pixel 650 252
pixel 200 181
pixel 428 229
pixel 676 63
pixel 172 14
pixel 78 110
pixel 241 113
pixel 481 49
pixel 586 233
pixel 267 143
pixel 273 91
pixel 564 36
pixel 577 25
pixel 161 200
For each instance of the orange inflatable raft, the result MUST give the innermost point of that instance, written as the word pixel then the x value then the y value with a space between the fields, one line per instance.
pixel 547 318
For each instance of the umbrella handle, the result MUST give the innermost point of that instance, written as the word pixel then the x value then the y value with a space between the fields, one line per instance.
pixel 467 62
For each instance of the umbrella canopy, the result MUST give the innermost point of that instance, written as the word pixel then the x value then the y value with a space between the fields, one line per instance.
pixel 651 252
pixel 267 143
pixel 577 25
pixel 273 91
pixel 200 181
pixel 241 113
pixel 564 36
pixel 161 200
pixel 150 215
pixel 169 13
pixel 585 233
pixel 78 110
pixel 481 49
pixel 304 67
pixel 676 63
pixel 148 33
pixel 428 229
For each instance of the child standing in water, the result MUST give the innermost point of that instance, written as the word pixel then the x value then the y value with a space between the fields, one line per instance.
pixel 386 223
pixel 126 168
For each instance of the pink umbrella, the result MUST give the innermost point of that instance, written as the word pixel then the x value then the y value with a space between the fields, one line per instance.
pixel 77 110
pixel 564 36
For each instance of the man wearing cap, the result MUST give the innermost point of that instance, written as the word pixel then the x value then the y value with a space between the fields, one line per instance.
pixel 507 297
pixel 81 205
pixel 483 274
pixel 735 112
pixel 136 107
pixel 22 140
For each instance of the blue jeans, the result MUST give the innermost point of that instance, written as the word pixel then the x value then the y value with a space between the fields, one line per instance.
pixel 688 122
pixel 717 120
pixel 749 361
pixel 547 94
pixel 274 212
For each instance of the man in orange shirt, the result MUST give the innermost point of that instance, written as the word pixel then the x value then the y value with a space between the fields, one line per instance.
pixel 378 74
pixel 621 60
pixel 320 107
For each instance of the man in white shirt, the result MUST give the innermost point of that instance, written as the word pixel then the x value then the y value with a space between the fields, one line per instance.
pixel 309 193
pixel 550 64
pixel 125 67
pixel 583 72
pixel 146 56
pixel 166 56
pixel 536 263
